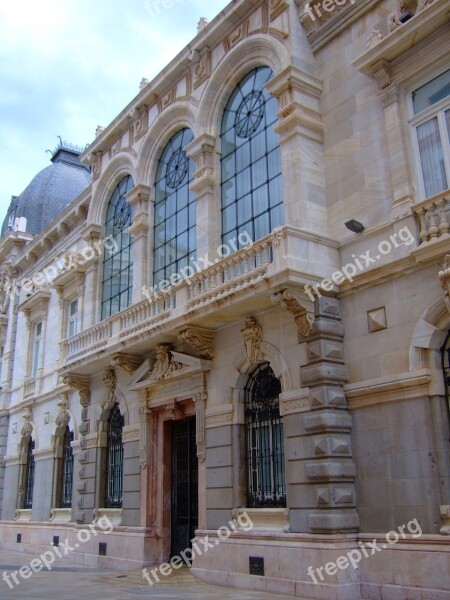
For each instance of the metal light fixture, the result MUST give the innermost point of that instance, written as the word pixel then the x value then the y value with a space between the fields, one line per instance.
pixel 355 226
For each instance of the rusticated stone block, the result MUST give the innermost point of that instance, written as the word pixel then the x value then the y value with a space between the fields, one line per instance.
pixel 334 521
pixel 83 457
pixel 328 421
pixel 327 396
pixel 329 496
pixel 330 470
pixel 326 306
pixel 323 373
pixel 331 350
pixel 84 427
pixel 332 446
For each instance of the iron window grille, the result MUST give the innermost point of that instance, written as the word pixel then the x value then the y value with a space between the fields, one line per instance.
pixel 251 161
pixel 29 476
pixel 265 439
pixel 67 470
pixel 114 468
pixel 117 280
pixel 175 215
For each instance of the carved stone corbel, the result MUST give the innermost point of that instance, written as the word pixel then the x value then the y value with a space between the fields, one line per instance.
pixel 126 362
pixel 252 334
pixel 165 364
pixel 301 308
pixel 173 411
pixel 200 338
pixel 82 385
pixel 444 276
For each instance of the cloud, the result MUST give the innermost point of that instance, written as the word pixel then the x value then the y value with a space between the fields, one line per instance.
pixel 66 67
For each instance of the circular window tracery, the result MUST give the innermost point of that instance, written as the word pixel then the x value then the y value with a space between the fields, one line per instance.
pixel 177 168
pixel 122 213
pixel 249 114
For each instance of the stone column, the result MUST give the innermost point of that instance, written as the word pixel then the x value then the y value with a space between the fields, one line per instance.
pixel 131 476
pixel 4 424
pixel 85 461
pixel 146 437
pixel 207 189
pixel 140 199
pixel 321 473
pixel 43 491
pixel 91 300
pixel 301 129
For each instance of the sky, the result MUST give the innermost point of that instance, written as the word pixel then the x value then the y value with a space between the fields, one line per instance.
pixel 67 66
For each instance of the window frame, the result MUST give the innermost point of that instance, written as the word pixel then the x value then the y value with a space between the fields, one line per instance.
pixel 113 496
pixel 438 109
pixel 66 471
pixel 109 222
pixel 36 341
pixel 76 317
pixel 28 476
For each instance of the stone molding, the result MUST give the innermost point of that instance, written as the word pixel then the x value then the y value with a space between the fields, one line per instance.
pixel 294 402
pixel 131 433
pixel 219 417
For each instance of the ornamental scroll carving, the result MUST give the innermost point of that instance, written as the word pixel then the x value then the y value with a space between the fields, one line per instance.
pixel 302 310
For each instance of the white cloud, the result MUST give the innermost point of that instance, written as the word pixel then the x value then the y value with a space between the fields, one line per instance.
pixel 67 66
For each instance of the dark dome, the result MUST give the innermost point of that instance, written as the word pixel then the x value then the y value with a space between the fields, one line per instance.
pixel 50 191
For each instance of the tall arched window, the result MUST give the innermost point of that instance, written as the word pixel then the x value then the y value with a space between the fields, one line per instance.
pixel 251 160
pixel 175 219
pixel 114 466
pixel 265 441
pixel 29 476
pixel 65 500
pixel 117 281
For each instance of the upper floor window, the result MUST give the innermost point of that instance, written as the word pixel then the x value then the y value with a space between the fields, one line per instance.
pixel 251 160
pixel 175 218
pixel 73 318
pixel 117 283
pixel 65 500
pixel 29 476
pixel 114 466
pixel 446 367
pixel 431 104
pixel 265 439
pixel 36 344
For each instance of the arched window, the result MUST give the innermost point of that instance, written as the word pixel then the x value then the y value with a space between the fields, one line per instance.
pixel 65 500
pixel 117 283
pixel 251 161
pixel 114 467
pixel 175 219
pixel 29 476
pixel 265 441
pixel 446 368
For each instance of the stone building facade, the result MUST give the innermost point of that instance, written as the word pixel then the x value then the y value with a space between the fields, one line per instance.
pixel 246 309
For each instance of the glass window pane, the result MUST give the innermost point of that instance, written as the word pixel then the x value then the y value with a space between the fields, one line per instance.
pixel 247 139
pixel 432 157
pixel 432 92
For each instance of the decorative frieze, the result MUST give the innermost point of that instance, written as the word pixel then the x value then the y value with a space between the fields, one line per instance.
pixel 219 417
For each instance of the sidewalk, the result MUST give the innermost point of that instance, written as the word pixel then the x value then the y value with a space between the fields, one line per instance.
pixel 69 581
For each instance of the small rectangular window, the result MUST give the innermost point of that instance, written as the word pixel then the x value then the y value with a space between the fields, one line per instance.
pixel 73 319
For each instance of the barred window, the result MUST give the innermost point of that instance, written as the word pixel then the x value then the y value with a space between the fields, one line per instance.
pixel 114 468
pixel 29 476
pixel 117 281
pixel 67 470
pixel 251 161
pixel 265 440
pixel 175 218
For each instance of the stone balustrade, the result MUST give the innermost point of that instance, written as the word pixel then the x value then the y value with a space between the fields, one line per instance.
pixel 433 215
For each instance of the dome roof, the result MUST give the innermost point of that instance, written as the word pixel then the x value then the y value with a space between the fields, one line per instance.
pixel 50 191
